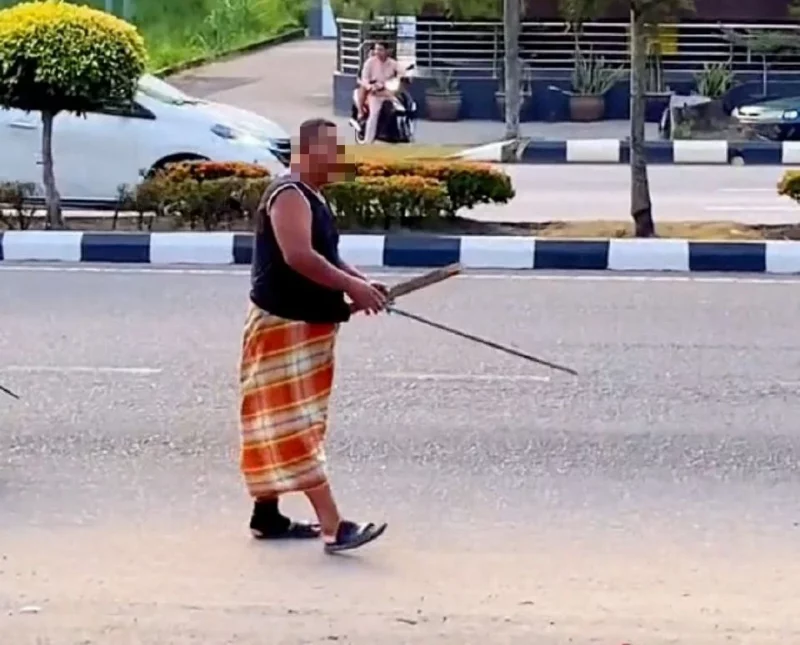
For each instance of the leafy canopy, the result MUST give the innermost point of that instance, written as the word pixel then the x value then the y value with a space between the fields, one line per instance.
pixel 56 56
pixel 655 11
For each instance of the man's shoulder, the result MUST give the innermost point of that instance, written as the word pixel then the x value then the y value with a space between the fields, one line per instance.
pixel 276 188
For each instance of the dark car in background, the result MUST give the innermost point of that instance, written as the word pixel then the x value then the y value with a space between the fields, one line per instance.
pixel 771 119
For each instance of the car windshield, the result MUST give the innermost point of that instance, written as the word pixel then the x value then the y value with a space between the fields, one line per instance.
pixel 160 91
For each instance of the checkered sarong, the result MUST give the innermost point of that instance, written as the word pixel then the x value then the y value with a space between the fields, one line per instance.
pixel 286 378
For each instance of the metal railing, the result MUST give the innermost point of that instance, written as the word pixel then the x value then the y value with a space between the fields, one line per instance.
pixel 477 47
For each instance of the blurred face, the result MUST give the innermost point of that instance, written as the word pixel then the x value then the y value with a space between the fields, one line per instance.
pixel 380 52
pixel 325 156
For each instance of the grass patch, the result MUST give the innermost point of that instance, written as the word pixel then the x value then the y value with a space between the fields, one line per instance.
pixel 397 152
pixel 179 30
pixel 603 229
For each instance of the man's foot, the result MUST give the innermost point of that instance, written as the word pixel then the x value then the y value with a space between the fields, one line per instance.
pixel 351 536
pixel 267 523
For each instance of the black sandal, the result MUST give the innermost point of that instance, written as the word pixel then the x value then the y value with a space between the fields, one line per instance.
pixel 295 531
pixel 351 536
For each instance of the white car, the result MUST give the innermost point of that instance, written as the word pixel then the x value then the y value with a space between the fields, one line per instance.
pixel 95 154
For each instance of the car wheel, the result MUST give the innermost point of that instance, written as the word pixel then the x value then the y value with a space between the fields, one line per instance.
pixel 162 163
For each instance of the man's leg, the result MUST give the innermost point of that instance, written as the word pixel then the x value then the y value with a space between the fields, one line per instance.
pixel 339 534
pixel 375 103
pixel 321 499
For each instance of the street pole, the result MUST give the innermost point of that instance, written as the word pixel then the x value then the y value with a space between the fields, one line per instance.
pixel 511 67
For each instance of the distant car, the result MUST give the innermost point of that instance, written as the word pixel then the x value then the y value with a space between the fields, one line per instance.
pixel 95 154
pixel 774 119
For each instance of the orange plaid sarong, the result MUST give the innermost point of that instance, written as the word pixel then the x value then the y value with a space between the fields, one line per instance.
pixel 286 378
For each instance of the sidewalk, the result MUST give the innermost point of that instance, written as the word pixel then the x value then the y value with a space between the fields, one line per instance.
pixel 293 82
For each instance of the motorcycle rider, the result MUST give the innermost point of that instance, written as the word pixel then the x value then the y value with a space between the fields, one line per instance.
pixel 378 69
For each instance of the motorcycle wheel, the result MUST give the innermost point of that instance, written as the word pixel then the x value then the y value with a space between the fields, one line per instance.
pixel 406 130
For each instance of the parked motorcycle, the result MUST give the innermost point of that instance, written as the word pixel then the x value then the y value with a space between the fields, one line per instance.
pixel 396 123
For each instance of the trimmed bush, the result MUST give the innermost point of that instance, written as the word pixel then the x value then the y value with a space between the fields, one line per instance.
pixel 368 202
pixel 468 184
pixel 789 185
pixel 212 195
pixel 210 204
pixel 209 170
pixel 14 213
pixel 61 57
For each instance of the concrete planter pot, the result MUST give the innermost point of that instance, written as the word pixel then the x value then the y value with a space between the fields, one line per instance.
pixel 587 108
pixel 440 106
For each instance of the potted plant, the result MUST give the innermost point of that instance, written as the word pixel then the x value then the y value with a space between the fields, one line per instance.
pixel 591 80
pixel 703 113
pixel 526 91
pixel 715 80
pixel 443 100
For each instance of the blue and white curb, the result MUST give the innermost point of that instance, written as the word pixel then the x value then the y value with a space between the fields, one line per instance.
pixel 473 252
pixel 616 151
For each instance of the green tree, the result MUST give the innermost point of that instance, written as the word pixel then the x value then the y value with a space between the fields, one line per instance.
pixel 645 16
pixel 59 57
pixel 579 12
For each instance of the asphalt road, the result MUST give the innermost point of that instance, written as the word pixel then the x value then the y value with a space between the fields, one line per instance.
pixel 654 499
pixel 679 193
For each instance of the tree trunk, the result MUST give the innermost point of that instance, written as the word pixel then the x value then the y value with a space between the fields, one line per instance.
pixel 641 206
pixel 512 72
pixel 52 198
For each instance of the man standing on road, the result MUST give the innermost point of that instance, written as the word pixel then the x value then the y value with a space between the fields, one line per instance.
pixel 378 69
pixel 297 304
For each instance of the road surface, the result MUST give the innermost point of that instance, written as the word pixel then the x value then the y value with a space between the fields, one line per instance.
pixel 680 193
pixel 653 500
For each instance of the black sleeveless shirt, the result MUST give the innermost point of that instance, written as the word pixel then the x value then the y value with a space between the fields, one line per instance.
pixel 275 286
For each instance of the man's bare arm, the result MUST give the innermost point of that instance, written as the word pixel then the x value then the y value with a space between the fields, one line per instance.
pixel 291 221
pixel 349 268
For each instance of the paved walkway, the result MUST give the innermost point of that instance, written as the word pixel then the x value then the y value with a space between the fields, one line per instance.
pixel 294 82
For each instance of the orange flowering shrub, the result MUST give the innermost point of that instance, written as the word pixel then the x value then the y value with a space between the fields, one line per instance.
pixel 211 170
pixel 468 183
pixel 384 202
pixel 377 194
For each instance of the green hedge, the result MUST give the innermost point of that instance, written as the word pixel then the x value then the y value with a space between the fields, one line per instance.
pixel 211 195
pixel 223 196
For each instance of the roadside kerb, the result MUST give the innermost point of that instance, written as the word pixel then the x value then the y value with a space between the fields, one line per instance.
pixel 410 250
pixel 617 151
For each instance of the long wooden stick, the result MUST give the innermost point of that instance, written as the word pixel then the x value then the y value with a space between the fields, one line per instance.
pixel 424 280
pixel 482 341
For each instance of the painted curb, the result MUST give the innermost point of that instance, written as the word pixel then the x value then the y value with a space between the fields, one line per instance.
pixel 287 36
pixel 474 252
pixel 616 151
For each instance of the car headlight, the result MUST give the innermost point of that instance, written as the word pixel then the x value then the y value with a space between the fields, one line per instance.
pixel 791 114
